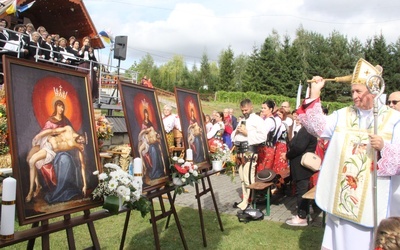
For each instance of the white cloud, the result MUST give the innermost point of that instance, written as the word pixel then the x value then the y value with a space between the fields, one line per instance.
pixel 164 29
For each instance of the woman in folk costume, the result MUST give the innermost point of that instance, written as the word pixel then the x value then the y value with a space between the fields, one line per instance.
pixel 281 145
pixel 266 153
pixel 344 188
pixel 228 128
pixel 214 136
pixel 322 146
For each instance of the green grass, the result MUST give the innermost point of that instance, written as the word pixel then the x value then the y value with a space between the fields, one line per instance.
pixel 236 235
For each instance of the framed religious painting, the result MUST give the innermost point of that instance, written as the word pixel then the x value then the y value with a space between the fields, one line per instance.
pixel 52 139
pixel 192 123
pixel 146 133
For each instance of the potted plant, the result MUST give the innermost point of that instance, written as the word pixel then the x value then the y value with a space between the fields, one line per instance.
pixel 118 188
pixel 221 155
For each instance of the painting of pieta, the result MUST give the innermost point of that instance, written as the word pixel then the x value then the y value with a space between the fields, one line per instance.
pixel 52 139
pixel 146 133
pixel 192 123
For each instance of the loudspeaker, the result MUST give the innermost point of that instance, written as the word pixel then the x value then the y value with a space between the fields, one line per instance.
pixel 120 47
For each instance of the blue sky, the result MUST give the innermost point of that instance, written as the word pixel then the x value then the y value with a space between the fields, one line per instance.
pixel 189 28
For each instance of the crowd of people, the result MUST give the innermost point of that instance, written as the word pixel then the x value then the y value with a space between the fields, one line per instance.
pixel 27 42
pixel 276 138
pixel 24 41
pixel 347 142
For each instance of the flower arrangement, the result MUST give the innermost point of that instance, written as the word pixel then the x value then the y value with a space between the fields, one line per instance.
pixel 221 152
pixel 103 128
pixel 183 173
pixel 116 182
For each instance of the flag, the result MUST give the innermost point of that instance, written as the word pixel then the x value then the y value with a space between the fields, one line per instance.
pixel 105 36
pixel 298 98
pixel 12 9
pixel 4 5
pixel 25 7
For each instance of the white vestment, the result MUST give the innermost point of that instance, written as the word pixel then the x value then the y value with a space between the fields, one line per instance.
pixel 343 190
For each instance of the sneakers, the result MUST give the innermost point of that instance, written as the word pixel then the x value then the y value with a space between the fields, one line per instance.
pixel 297 221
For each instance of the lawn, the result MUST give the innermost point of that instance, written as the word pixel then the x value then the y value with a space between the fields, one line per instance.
pixel 236 235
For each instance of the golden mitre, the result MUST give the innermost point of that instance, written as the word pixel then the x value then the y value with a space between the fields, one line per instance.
pixel 363 70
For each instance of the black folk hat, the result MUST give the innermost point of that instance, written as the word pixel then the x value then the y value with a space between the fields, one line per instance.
pixel 265 175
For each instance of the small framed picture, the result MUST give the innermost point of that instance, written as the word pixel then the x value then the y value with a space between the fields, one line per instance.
pixel 192 123
pixel 146 133
pixel 52 139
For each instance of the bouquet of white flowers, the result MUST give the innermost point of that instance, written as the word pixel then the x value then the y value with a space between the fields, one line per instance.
pixel 116 182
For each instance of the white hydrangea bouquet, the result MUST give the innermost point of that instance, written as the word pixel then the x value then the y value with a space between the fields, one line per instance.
pixel 115 184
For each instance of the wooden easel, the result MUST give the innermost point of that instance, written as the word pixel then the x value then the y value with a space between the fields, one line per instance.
pixel 158 193
pixel 45 229
pixel 199 194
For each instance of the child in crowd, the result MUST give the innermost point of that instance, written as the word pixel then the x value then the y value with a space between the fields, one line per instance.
pixel 387 235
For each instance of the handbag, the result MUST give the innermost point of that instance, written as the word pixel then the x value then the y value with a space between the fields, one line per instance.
pixel 311 161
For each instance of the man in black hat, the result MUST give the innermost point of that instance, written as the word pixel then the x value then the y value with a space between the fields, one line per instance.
pixel 248 135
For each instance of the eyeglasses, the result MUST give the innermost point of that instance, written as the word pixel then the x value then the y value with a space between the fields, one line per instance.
pixel 394 102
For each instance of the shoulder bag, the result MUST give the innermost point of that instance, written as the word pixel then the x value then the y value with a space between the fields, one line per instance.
pixel 311 161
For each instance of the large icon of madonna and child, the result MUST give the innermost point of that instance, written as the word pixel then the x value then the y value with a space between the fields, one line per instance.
pixel 55 154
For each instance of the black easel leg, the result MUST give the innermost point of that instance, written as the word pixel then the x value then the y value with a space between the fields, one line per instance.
pixel 203 233
pixel 92 231
pixel 70 234
pixel 153 222
pixel 169 216
pixel 45 237
pixel 178 224
pixel 31 243
pixel 215 204
pixel 128 215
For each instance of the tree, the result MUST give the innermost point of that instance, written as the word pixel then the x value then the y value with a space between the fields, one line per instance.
pixel 251 78
pixel 205 74
pixel 226 72
pixel 239 70
pixel 270 66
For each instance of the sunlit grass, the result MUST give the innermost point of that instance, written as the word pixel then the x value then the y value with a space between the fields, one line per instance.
pixel 236 235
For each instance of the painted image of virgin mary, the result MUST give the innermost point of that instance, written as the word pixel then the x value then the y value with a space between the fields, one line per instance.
pixel 150 150
pixel 57 174
pixel 195 138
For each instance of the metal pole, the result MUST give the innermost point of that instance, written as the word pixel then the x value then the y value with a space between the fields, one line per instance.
pixel 376 86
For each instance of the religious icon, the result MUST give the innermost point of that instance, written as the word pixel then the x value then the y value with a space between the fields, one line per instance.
pixel 146 133
pixel 54 147
pixel 192 123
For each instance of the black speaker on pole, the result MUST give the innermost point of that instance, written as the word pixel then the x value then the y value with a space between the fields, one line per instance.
pixel 120 45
